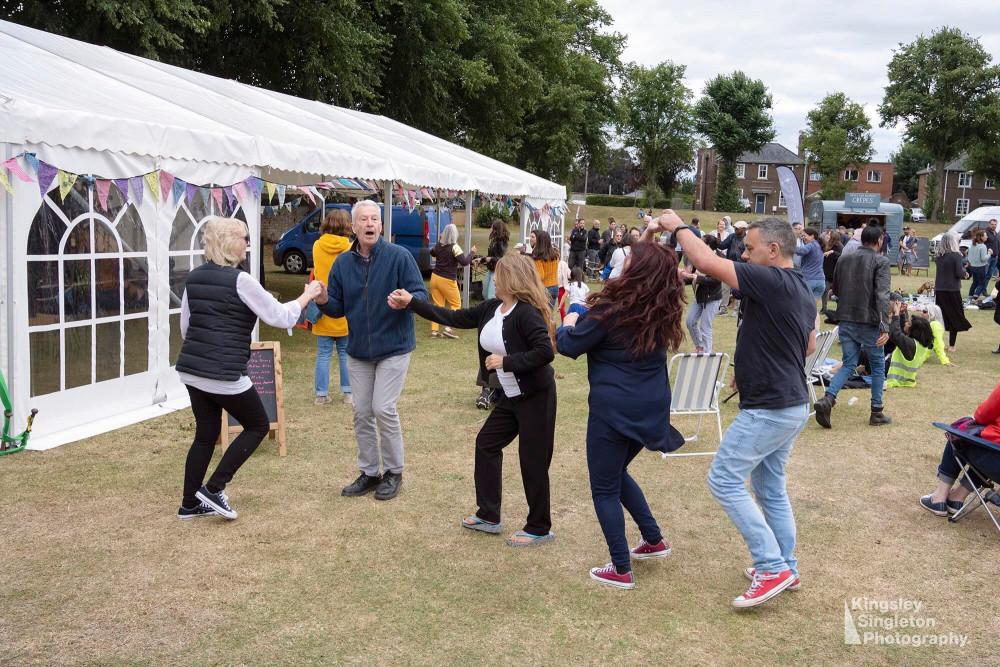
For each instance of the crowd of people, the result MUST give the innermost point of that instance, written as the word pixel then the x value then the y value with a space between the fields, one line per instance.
pixel 372 289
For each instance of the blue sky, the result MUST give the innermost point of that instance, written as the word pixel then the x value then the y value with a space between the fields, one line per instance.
pixel 800 50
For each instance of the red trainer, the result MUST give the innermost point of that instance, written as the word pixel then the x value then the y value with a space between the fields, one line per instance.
pixel 647 550
pixel 608 575
pixel 794 586
pixel 765 586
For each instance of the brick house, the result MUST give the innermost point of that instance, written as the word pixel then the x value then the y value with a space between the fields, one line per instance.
pixel 873 178
pixel 964 191
pixel 756 177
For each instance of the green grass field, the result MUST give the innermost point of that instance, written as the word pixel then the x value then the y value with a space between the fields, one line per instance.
pixel 97 569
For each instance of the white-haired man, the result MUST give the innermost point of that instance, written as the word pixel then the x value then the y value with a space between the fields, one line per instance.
pixel 379 345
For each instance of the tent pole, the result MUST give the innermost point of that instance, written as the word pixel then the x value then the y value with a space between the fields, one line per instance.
pixel 387 209
pixel 11 325
pixel 467 283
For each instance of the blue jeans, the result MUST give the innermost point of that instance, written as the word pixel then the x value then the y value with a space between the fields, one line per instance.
pixel 608 456
pixel 324 352
pixel 853 337
pixel 757 444
pixel 992 268
pixel 980 278
pixel 553 294
pixel 818 287
pixel 488 291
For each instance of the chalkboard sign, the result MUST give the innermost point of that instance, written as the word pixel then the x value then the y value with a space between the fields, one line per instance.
pixel 264 368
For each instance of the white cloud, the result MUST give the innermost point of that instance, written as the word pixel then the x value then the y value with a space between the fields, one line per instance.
pixel 801 51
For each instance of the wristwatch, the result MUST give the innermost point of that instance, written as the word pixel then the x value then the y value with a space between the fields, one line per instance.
pixel 684 227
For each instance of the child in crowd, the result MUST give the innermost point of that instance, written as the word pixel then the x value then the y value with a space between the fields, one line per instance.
pixel 576 293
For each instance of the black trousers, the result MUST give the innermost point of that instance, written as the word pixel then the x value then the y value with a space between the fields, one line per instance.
pixel 577 258
pixel 207 408
pixel 531 419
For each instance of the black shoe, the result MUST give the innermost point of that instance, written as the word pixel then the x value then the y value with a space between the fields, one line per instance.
pixel 362 485
pixel 389 488
pixel 823 408
pixel 217 501
pixel 199 511
pixel 878 418
pixel 996 351
pixel 483 400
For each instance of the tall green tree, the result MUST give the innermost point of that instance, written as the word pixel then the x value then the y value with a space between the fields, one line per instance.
pixel 906 162
pixel 944 91
pixel 838 134
pixel 655 121
pixel 733 115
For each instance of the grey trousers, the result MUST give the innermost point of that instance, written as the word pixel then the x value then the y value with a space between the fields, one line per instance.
pixel 376 387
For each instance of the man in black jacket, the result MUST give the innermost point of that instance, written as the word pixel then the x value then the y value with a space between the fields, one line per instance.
pixel 578 245
pixel 861 285
pixel 594 241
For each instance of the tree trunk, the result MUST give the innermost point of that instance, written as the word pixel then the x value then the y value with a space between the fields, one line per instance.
pixel 939 186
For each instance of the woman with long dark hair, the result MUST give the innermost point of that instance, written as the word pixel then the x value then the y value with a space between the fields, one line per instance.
pixel 516 341
pixel 626 334
pixel 499 238
pixel 546 262
pixel 832 248
pixel 948 286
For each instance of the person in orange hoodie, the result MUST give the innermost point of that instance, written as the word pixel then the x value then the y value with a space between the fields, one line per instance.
pixel 947 498
pixel 334 239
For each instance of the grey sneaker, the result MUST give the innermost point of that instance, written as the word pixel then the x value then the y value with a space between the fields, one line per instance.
pixel 322 400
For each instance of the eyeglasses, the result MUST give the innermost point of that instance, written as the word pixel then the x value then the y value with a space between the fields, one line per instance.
pixel 247 239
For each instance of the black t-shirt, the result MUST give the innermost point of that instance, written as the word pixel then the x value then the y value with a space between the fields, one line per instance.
pixel 779 313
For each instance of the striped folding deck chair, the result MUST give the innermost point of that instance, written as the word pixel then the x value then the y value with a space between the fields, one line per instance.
pixel 824 341
pixel 695 389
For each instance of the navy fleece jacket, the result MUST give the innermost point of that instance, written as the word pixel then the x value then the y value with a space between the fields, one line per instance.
pixel 358 288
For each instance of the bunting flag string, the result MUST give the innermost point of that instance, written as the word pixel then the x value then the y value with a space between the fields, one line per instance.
pixel 153 181
pixel 122 185
pixel 166 184
pixel 103 187
pixel 5 183
pixel 15 169
pixel 32 160
pixel 136 183
pixel 179 188
pixel 46 174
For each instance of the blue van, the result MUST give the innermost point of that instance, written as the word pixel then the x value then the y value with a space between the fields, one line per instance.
pixel 414 230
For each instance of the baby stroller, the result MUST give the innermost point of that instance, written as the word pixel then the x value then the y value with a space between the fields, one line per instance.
pixel 593 271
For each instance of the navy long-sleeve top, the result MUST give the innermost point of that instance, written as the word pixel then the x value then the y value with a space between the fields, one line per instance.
pixel 616 378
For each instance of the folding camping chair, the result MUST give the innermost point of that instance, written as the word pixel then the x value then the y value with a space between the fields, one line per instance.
pixel 814 362
pixel 11 444
pixel 695 389
pixel 980 456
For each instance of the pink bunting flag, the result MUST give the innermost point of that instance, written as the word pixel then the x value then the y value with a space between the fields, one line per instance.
pixel 15 168
pixel 136 183
pixel 122 185
pixel 309 194
pixel 399 192
pixel 103 187
pixel 217 196
pixel 166 184
pixel 240 190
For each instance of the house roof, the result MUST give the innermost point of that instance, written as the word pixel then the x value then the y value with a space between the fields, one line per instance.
pixel 955 165
pixel 772 153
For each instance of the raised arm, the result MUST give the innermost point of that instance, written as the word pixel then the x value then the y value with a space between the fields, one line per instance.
pixel 463 318
pixel 269 309
pixel 699 254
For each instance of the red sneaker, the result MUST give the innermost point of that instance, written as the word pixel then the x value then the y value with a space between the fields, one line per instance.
pixel 794 586
pixel 765 586
pixel 647 550
pixel 608 575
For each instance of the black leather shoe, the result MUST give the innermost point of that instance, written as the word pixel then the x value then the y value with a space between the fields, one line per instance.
pixel 362 485
pixel 996 351
pixel 878 418
pixel 823 408
pixel 389 488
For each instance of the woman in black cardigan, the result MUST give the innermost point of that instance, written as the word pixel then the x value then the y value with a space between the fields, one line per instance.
pixel 948 286
pixel 516 339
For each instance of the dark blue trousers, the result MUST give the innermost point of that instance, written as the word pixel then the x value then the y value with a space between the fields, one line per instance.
pixel 608 456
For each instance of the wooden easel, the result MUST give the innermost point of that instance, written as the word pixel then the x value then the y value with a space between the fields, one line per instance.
pixel 277 428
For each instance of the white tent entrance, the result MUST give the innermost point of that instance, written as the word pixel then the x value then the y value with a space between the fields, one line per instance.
pixel 93 263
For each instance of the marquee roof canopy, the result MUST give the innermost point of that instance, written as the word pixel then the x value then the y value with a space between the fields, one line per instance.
pixel 59 91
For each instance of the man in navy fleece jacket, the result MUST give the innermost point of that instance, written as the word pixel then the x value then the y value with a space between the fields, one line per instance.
pixel 378 345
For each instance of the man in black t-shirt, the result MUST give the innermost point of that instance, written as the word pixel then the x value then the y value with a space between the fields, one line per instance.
pixel 771 347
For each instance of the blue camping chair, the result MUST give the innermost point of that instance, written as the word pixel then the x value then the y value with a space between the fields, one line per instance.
pixel 979 456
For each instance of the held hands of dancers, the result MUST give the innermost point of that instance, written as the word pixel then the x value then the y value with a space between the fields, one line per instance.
pixel 315 290
pixel 399 299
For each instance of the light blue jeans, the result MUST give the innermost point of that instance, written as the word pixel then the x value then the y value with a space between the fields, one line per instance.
pixel 324 352
pixel 854 337
pixel 488 291
pixel 699 324
pixel 757 444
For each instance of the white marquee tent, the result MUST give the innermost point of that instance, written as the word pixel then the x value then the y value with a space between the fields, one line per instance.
pixel 91 291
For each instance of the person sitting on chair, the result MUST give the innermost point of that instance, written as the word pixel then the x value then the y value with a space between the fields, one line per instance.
pixel 948 498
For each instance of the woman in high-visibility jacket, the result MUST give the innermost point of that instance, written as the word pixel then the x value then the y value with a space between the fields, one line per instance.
pixel 913 344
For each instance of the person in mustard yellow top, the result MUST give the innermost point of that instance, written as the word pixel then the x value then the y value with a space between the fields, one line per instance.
pixel 330 331
pixel 546 262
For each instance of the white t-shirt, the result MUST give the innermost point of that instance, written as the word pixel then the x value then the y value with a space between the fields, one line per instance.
pixel 577 293
pixel 618 261
pixel 491 338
